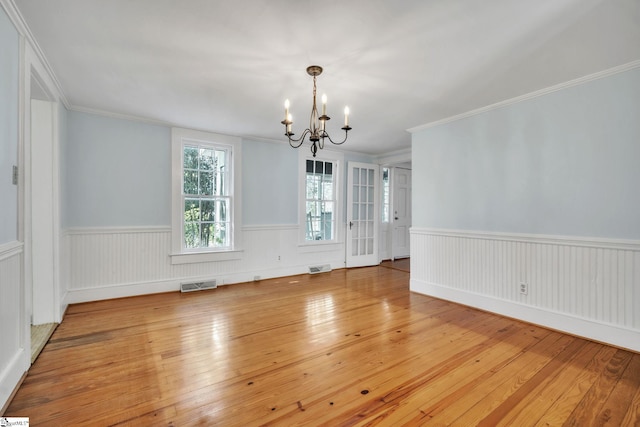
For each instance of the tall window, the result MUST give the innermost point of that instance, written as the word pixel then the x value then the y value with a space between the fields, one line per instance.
pixel 385 195
pixel 320 203
pixel 206 196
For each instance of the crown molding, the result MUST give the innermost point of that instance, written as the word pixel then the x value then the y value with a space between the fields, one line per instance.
pixel 395 157
pixel 23 29
pixel 129 117
pixel 575 82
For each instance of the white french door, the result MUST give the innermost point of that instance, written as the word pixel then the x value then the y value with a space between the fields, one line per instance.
pixel 363 214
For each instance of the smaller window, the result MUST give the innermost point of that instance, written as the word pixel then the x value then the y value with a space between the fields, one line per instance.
pixel 320 204
pixel 385 195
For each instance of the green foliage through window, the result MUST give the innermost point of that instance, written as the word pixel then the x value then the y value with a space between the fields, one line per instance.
pixel 206 197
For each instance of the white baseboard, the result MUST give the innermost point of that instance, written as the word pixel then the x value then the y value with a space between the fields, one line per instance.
pixel 11 376
pixel 122 290
pixel 609 334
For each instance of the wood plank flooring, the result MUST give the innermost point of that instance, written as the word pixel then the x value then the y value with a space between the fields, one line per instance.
pixel 346 348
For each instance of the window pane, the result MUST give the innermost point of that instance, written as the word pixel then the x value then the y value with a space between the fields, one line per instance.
pixel 206 229
pixel 312 187
pixel 190 182
pixel 327 190
pixel 191 234
pixel 206 159
pixel 190 157
pixel 207 212
pixel 191 210
pixel 222 210
pixel 206 183
pixel 220 160
pixel 223 235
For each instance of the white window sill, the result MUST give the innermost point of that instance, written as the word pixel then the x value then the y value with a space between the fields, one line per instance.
pixel 196 257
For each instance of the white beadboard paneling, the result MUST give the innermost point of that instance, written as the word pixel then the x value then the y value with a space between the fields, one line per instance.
pixel 12 353
pixel 103 263
pixel 574 283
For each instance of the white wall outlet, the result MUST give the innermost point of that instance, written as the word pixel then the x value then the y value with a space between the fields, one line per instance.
pixel 524 288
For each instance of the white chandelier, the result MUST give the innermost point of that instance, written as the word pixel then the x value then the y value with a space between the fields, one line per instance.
pixel 317 124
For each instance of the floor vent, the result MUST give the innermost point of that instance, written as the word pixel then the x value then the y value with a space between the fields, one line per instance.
pixel 315 269
pixel 198 286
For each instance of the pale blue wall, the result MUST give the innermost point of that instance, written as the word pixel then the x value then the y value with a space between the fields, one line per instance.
pixel 269 183
pixel 9 69
pixel 566 163
pixel 115 173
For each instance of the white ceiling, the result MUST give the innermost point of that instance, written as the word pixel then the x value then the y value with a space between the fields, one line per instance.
pixel 227 66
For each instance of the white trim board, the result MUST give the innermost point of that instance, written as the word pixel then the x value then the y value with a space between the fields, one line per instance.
pixel 599 242
pixel 585 328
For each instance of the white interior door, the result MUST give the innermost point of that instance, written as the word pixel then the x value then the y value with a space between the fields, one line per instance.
pixel 401 194
pixel 363 214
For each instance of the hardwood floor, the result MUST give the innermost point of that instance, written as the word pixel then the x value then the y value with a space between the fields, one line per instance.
pixel 350 347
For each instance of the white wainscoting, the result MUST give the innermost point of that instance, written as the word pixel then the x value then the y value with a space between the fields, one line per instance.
pixel 586 287
pixel 102 263
pixel 14 358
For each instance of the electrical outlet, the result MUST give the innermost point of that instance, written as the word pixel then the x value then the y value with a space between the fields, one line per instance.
pixel 524 288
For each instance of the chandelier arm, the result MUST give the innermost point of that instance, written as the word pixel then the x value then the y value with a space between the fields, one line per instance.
pixel 298 141
pixel 346 133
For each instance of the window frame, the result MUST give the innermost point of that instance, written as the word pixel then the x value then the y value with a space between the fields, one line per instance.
pixel 179 138
pixel 337 159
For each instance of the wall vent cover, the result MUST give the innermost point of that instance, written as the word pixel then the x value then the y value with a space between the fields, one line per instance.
pixel 315 269
pixel 198 286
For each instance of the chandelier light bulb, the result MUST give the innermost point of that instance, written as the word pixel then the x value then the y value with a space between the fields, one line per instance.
pixel 286 109
pixel 346 116
pixel 324 104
